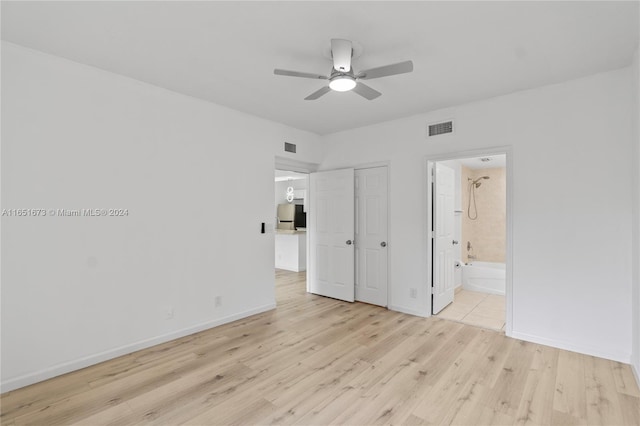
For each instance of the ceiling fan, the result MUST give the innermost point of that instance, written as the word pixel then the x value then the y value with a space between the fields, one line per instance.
pixel 343 78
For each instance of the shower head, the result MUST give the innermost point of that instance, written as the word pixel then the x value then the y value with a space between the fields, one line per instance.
pixel 477 182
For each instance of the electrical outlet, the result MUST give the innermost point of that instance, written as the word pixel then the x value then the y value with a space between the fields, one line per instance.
pixel 413 293
pixel 217 301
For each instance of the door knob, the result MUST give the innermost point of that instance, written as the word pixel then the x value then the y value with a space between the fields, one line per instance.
pixel 383 244
pixel 349 242
pixel 454 242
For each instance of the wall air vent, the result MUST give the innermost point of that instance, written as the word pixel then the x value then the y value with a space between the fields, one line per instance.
pixel 290 147
pixel 441 128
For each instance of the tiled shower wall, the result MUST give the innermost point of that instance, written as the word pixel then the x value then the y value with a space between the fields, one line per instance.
pixel 488 232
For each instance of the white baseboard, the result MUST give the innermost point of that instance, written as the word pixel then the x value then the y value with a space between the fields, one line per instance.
pixel 636 373
pixel 587 350
pixel 408 311
pixel 292 268
pixel 87 361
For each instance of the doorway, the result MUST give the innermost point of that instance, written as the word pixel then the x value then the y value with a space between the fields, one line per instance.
pixel 290 208
pixel 469 225
pixel 283 169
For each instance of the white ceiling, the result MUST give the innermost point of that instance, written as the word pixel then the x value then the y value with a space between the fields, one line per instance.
pixel 494 161
pixel 225 52
pixel 284 175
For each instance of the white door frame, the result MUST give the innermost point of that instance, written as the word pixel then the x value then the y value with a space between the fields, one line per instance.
pixel 500 150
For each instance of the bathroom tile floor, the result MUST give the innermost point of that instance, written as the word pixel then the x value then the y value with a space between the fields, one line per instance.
pixel 474 308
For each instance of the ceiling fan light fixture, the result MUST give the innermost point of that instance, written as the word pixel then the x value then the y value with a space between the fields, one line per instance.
pixel 342 83
pixel 343 78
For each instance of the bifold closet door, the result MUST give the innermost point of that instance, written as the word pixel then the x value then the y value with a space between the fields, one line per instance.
pixel 371 249
pixel 331 234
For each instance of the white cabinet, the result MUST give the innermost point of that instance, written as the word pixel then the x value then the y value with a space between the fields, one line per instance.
pixel 291 251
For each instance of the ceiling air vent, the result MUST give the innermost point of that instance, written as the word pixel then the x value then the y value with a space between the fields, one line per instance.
pixel 441 128
pixel 290 147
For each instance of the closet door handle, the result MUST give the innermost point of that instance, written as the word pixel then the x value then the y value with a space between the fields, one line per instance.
pixel 349 242
pixel 454 242
pixel 383 244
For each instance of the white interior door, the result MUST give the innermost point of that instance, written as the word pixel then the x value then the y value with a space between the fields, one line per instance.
pixel 443 237
pixel 331 234
pixel 371 235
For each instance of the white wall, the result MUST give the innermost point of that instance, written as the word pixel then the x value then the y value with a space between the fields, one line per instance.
pixel 572 212
pixel 77 290
pixel 636 217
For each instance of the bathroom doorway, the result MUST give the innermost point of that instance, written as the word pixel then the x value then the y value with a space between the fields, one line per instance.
pixel 469 242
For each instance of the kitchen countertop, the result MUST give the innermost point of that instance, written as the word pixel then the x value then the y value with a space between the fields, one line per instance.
pixel 291 231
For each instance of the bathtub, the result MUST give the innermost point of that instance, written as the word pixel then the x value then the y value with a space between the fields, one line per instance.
pixel 486 277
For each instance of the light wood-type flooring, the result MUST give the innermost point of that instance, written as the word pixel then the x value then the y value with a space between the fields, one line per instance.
pixel 318 361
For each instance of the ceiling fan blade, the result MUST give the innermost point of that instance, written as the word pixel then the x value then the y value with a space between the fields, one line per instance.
pixel 366 91
pixel 393 69
pixel 315 95
pixel 299 74
pixel 341 51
